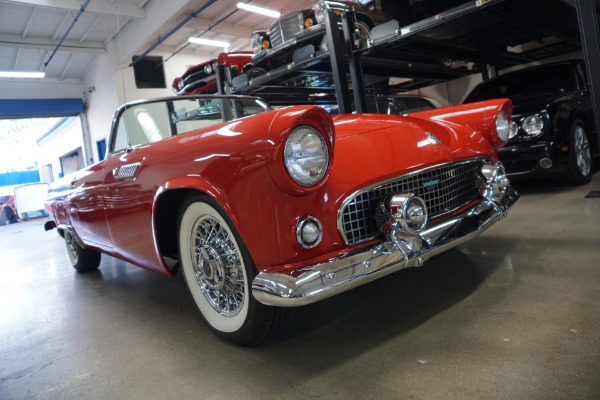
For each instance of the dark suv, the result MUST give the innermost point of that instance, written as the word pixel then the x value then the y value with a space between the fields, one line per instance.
pixel 553 130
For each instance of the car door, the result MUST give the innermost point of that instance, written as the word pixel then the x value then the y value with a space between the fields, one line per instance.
pixel 85 206
pixel 129 182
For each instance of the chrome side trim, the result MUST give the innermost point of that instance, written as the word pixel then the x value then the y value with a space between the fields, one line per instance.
pixel 320 281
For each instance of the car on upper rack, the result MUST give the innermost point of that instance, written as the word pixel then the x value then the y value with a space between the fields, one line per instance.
pixel 202 78
pixel 275 47
pixel 553 132
pixel 306 29
pixel 264 209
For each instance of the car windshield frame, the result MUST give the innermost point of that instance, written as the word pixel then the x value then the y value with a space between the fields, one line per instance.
pixel 143 122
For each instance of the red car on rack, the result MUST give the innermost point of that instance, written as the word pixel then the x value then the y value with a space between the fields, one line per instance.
pixel 202 78
pixel 265 209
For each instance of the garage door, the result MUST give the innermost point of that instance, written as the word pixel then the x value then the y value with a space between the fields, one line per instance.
pixel 29 108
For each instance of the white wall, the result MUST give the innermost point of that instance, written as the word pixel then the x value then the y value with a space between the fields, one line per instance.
pixel 100 97
pixel 40 89
pixel 63 142
pixel 175 67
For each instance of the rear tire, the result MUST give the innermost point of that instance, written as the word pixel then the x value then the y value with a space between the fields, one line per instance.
pixel 82 258
pixel 580 155
pixel 218 272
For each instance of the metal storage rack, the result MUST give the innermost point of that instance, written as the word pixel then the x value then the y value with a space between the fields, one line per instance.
pixel 486 34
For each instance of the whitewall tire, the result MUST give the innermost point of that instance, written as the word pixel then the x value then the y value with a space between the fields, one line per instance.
pixel 218 272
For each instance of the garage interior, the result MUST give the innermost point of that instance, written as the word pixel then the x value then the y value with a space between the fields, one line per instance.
pixel 512 314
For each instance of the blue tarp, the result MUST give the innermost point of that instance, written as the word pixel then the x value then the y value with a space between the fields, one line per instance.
pixel 28 108
pixel 19 178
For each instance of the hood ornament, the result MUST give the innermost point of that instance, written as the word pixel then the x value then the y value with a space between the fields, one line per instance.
pixel 433 138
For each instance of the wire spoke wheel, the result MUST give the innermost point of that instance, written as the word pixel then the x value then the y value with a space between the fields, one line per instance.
pixel 217 266
pixel 217 269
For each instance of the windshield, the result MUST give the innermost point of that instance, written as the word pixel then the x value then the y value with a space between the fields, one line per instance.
pixel 148 122
pixel 555 78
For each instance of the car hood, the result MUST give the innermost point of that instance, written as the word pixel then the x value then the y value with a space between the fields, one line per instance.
pixel 370 147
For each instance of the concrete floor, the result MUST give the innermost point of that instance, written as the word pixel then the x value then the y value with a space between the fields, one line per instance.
pixel 513 314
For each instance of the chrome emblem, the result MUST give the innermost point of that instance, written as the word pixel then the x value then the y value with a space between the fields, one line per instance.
pixel 431 185
pixel 434 138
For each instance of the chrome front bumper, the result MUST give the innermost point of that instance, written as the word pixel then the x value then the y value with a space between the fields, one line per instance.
pixel 320 281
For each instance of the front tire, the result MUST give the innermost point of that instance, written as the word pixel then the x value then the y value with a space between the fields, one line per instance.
pixel 218 272
pixel 580 155
pixel 82 258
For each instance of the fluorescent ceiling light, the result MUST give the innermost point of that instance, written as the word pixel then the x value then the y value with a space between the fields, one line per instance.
pixel 16 74
pixel 208 42
pixel 259 10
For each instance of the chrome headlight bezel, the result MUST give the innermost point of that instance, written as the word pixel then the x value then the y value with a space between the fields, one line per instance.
pixel 514 130
pixel 208 69
pixel 256 42
pixel 319 7
pixel 306 156
pixel 503 127
pixel 533 125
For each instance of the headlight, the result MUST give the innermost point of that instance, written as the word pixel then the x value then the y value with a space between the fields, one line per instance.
pixel 208 69
pixel 319 9
pixel 257 41
pixel 514 130
pixel 502 127
pixel 305 155
pixel 533 125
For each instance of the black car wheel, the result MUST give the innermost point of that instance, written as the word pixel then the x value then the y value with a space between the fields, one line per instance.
pixel 82 258
pixel 580 155
pixel 218 271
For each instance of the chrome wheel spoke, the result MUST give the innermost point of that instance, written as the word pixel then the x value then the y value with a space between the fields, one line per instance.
pixel 217 266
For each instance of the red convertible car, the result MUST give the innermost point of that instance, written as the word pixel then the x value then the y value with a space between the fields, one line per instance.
pixel 266 209
pixel 202 78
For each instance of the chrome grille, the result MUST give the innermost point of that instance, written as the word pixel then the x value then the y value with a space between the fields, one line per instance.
pixel 284 29
pixel 444 189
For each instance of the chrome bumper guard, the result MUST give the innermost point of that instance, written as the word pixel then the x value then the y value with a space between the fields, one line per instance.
pixel 354 269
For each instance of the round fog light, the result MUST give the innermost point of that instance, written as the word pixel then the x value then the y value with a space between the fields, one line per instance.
pixel 409 211
pixel 309 232
pixel 416 214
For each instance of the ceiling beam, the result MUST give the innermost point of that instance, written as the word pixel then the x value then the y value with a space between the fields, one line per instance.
pixel 66 67
pixel 26 31
pixel 17 41
pixel 134 37
pixel 61 26
pixel 89 28
pixel 127 10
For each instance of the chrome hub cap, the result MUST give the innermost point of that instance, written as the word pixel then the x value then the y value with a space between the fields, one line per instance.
pixel 217 266
pixel 583 155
